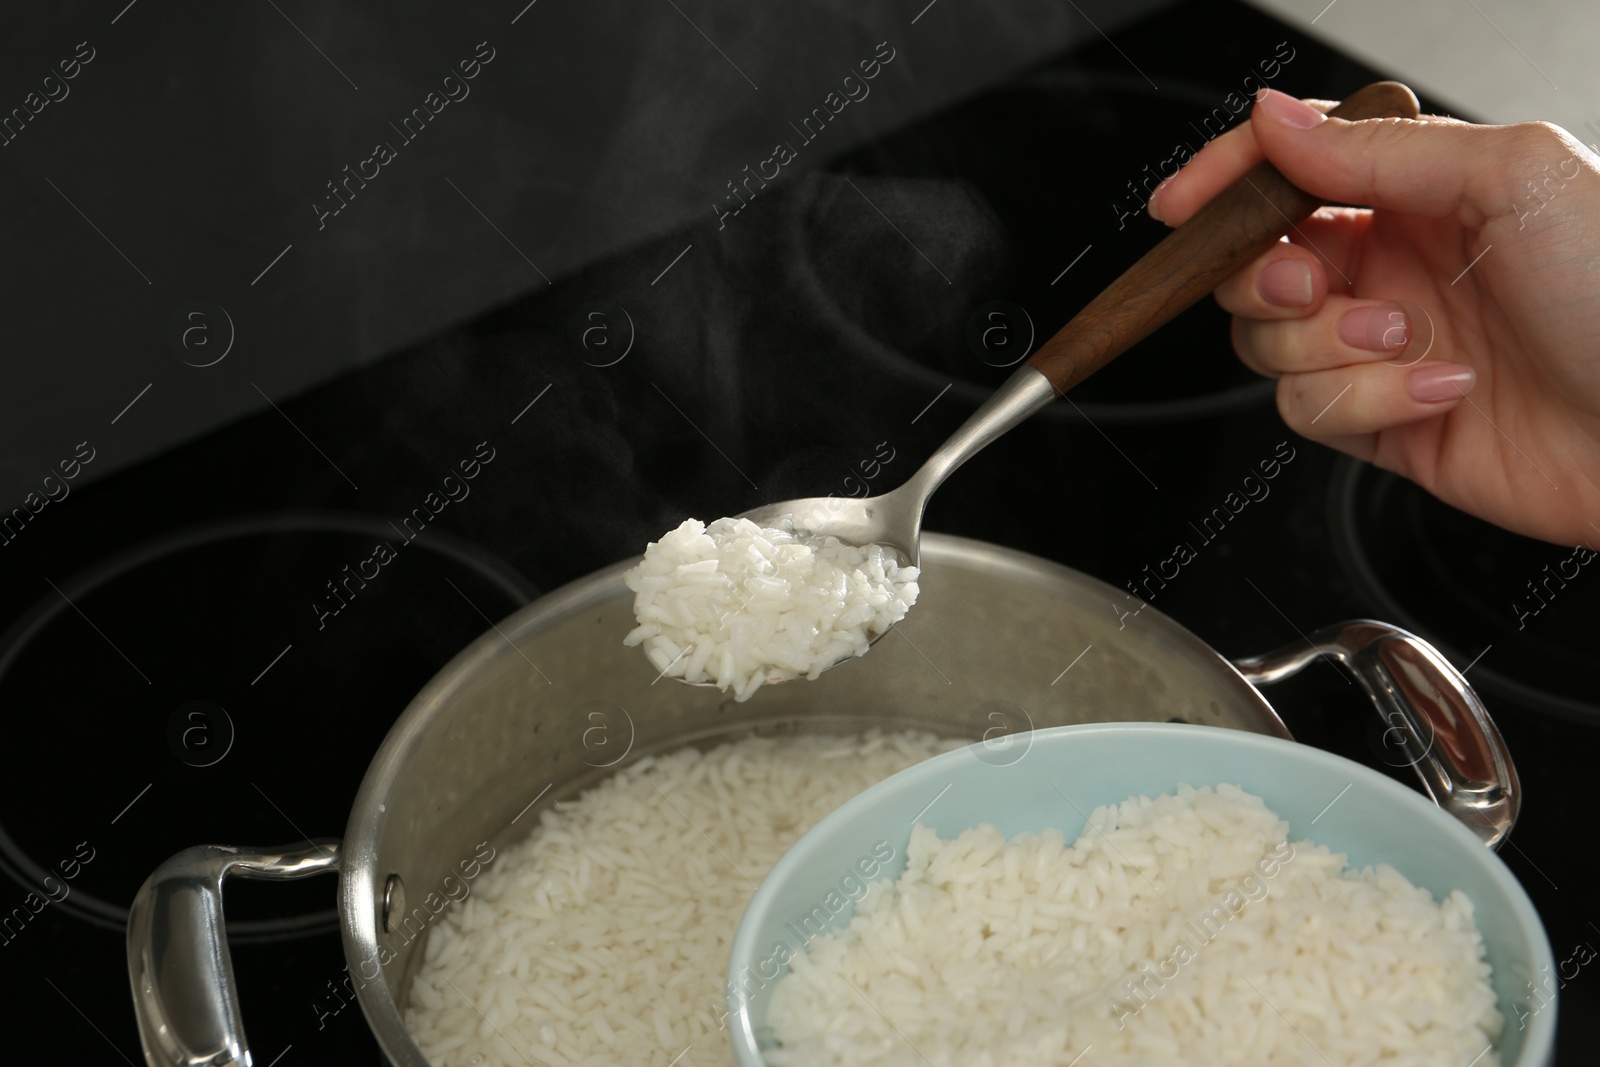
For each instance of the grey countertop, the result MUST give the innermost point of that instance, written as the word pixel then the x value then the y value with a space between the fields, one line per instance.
pixel 1496 60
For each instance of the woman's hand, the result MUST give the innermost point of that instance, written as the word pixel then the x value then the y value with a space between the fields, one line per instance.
pixel 1451 333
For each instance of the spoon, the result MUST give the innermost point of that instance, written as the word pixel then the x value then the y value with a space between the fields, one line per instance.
pixel 1239 224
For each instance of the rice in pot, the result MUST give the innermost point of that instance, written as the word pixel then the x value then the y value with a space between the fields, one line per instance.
pixel 603 937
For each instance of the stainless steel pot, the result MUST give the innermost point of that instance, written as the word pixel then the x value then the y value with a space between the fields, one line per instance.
pixel 550 701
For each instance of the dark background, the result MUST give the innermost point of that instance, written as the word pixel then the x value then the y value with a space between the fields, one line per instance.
pixel 200 136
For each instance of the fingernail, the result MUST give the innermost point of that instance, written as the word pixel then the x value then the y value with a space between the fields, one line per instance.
pixel 1440 381
pixel 1286 283
pixel 1153 205
pixel 1380 328
pixel 1285 109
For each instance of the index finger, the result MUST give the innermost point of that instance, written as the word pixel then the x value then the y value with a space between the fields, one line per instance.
pixel 1219 163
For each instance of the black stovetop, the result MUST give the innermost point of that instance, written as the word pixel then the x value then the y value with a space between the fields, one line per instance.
pixel 191 659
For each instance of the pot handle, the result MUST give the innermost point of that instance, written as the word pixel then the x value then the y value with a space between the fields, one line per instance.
pixel 1439 721
pixel 178 961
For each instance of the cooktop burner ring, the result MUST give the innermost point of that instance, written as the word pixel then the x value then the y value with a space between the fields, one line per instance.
pixel 822 307
pixel 1344 491
pixel 20 867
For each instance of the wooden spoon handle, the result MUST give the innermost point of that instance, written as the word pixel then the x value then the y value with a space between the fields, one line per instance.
pixel 1241 223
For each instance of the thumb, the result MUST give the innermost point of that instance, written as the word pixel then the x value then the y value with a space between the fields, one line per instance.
pixel 1431 166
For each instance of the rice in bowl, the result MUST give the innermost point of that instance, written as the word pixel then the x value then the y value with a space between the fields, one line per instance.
pixel 1181 929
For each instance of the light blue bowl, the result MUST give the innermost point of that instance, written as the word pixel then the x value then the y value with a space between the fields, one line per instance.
pixel 1055 777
